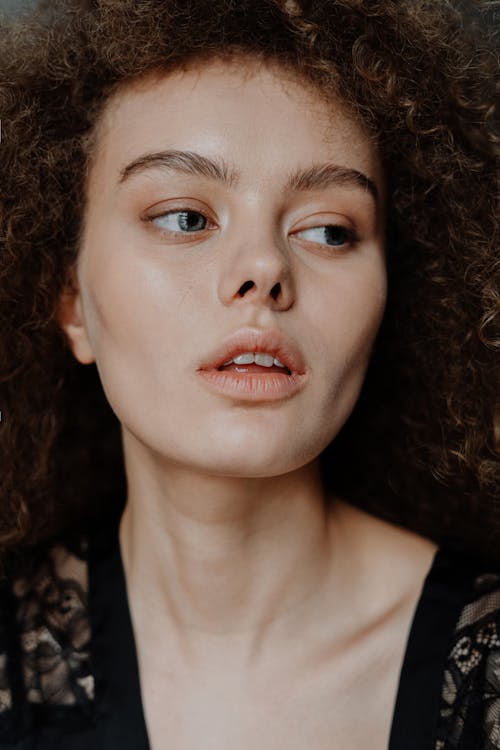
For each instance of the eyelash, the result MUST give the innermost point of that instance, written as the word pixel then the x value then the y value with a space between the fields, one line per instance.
pixel 351 236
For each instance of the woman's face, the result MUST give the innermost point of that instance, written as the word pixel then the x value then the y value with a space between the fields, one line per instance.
pixel 223 198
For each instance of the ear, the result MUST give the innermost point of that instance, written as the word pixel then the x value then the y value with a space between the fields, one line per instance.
pixel 70 318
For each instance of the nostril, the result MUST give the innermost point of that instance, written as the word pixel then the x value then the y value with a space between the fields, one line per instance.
pixel 245 287
pixel 276 290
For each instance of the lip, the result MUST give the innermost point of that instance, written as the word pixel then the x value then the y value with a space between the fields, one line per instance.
pixel 266 340
pixel 255 386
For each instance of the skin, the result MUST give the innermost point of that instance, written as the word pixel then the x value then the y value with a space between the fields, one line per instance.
pixel 232 563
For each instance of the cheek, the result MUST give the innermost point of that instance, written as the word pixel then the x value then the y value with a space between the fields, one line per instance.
pixel 363 315
pixel 349 309
pixel 135 332
pixel 130 303
pixel 350 312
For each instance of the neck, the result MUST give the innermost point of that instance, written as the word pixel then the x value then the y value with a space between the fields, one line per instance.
pixel 218 559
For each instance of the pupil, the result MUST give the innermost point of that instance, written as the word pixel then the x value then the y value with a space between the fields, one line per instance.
pixel 191 220
pixel 336 235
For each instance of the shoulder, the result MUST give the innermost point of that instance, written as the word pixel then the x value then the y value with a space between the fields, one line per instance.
pixel 45 635
pixel 470 694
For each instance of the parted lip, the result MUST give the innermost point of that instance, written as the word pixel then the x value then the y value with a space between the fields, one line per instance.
pixel 266 340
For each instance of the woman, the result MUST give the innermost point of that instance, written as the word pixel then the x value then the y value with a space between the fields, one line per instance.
pixel 248 346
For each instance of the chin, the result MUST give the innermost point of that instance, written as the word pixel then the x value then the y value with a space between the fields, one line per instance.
pixel 246 462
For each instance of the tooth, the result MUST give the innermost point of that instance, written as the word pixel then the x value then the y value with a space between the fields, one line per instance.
pixel 260 358
pixel 267 360
pixel 244 359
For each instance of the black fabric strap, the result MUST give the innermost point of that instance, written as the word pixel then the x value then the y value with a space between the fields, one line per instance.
pixel 121 718
pixel 444 592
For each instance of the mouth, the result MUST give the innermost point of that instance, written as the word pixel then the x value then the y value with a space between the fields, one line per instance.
pixel 256 365
pixel 266 349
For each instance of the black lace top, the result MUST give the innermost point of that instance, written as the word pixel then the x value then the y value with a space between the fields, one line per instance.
pixel 68 667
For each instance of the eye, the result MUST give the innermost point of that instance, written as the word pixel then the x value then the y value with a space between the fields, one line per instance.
pixel 334 235
pixel 180 221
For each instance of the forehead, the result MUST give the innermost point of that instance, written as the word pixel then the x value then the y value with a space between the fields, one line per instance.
pixel 258 113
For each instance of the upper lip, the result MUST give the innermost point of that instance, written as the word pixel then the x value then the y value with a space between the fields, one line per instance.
pixel 269 340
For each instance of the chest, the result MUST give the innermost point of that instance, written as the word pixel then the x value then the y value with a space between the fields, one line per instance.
pixel 344 702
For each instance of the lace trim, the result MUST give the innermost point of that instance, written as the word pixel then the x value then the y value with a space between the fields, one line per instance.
pixel 54 629
pixel 471 681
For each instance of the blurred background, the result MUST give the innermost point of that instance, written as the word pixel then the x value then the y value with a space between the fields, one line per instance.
pixel 11 6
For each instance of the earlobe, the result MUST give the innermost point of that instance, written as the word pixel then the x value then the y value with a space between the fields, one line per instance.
pixel 70 318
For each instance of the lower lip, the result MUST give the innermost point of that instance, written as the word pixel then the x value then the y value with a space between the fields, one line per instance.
pixel 253 386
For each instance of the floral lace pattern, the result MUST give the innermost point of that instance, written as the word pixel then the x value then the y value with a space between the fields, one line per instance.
pixel 54 630
pixel 471 682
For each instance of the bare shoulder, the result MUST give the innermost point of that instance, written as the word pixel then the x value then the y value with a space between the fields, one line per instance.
pixel 396 559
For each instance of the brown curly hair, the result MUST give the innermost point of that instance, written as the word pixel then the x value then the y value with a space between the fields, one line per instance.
pixel 422 75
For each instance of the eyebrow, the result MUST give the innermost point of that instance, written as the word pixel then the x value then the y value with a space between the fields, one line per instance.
pixel 189 162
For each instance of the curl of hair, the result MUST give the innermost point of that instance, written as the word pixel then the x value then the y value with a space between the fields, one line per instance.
pixel 423 76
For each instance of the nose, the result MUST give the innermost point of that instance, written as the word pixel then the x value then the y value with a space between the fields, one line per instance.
pixel 258 272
